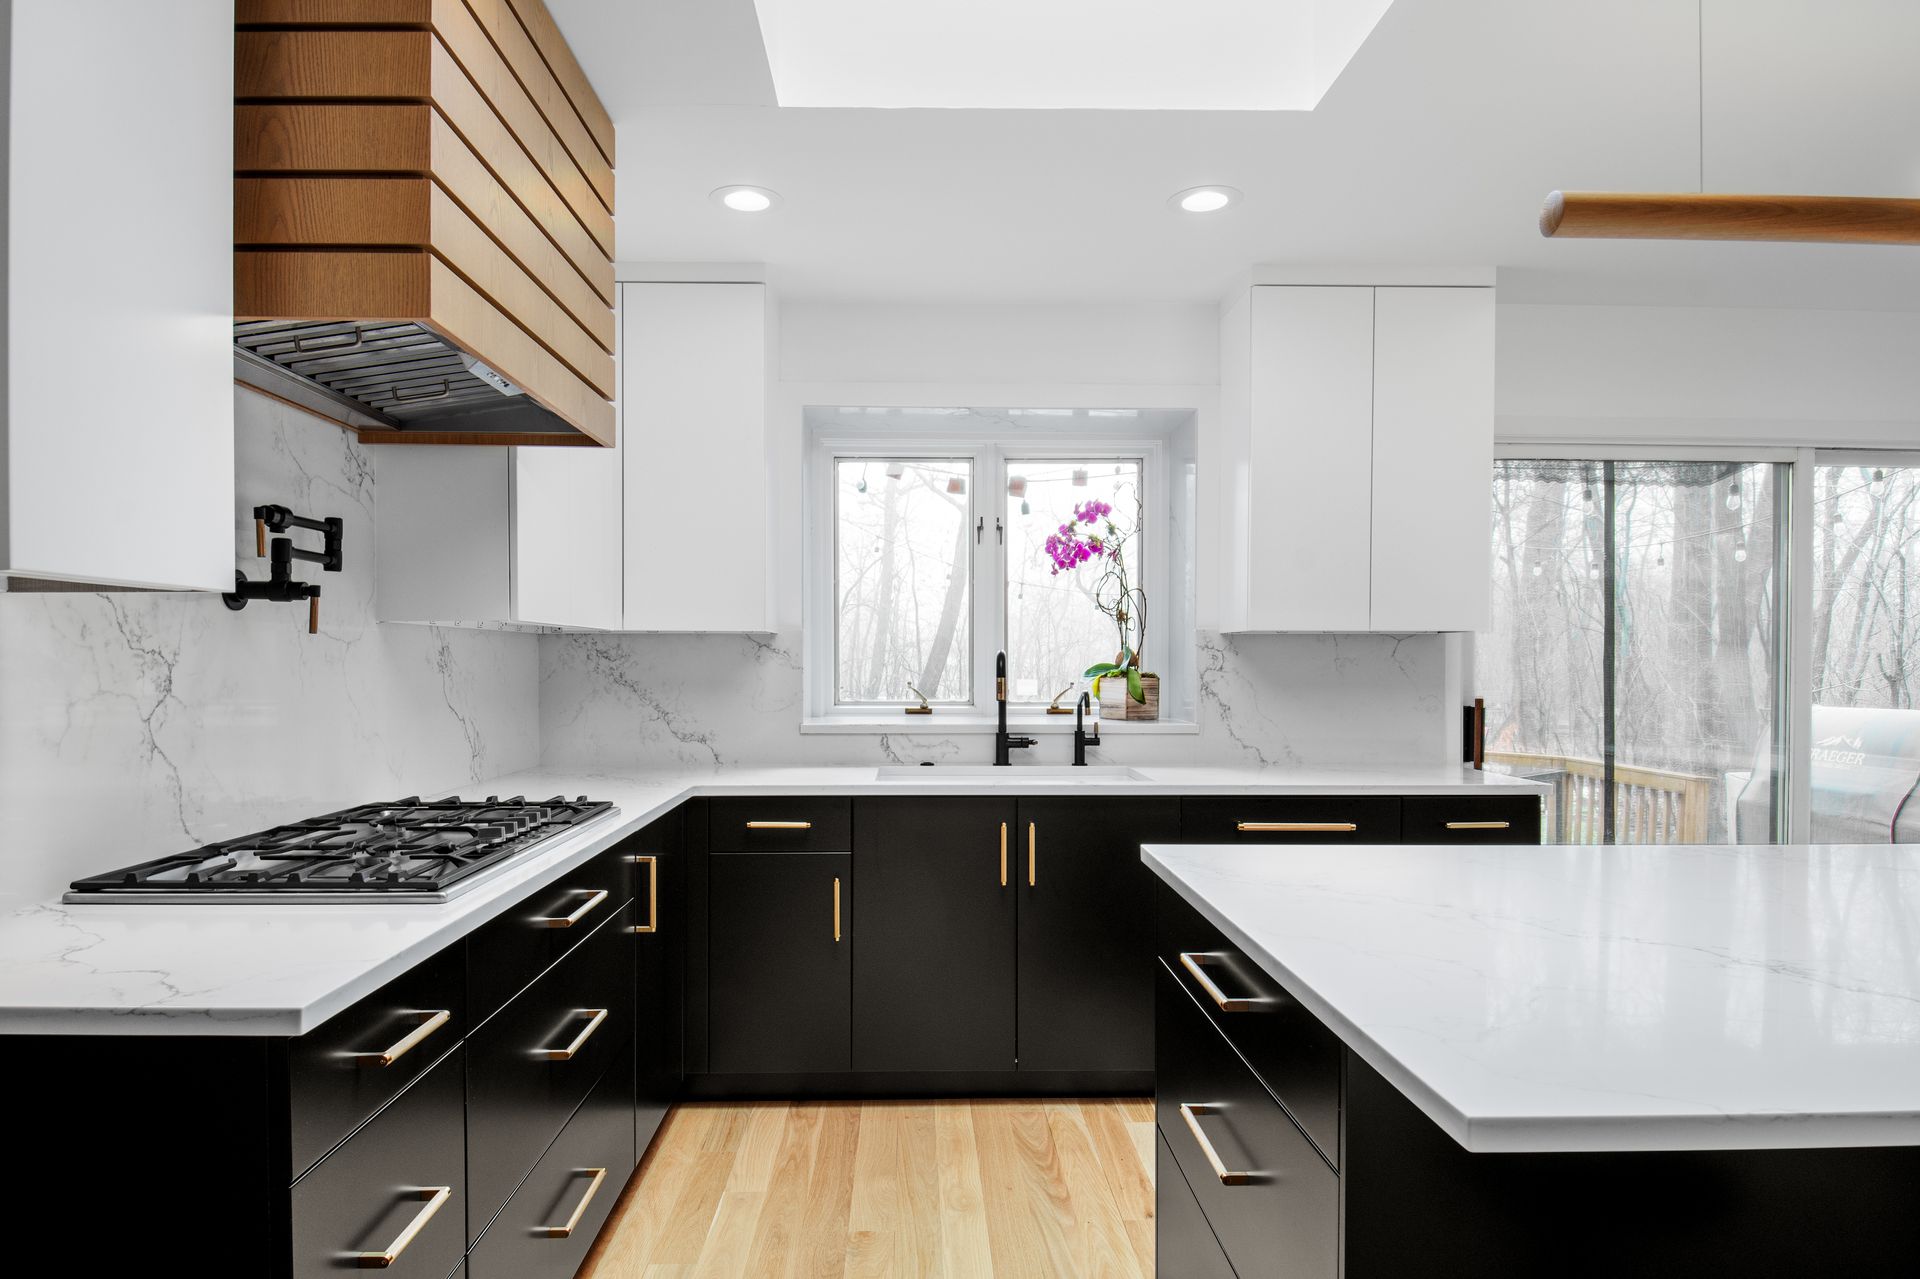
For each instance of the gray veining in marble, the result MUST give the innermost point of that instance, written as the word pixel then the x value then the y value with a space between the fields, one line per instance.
pixel 136 724
pixel 636 701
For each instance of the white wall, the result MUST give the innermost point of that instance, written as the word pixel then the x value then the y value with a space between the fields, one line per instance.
pixel 1708 375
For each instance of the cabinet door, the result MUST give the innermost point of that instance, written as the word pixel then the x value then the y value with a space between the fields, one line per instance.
pixel 1309 457
pixel 566 553
pixel 934 988
pixel 1086 931
pixel 693 422
pixel 660 970
pixel 780 951
pixel 1432 458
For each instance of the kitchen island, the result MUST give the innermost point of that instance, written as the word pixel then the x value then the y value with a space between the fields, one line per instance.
pixel 1567 1060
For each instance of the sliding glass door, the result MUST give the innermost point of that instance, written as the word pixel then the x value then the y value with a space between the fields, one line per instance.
pixel 1638 644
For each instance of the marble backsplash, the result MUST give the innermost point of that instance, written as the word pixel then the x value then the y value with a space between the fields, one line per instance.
pixel 625 701
pixel 134 724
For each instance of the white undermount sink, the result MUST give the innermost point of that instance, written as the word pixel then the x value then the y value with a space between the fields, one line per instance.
pixel 1011 773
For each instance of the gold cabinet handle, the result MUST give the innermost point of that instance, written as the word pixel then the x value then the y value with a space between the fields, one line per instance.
pixel 653 894
pixel 1296 826
pixel 595 1016
pixel 1033 852
pixel 1479 825
pixel 1003 854
pixel 594 897
pixel 436 1198
pixel 430 1022
pixel 1194 963
pixel 779 825
pixel 567 1227
pixel 1227 1176
pixel 836 908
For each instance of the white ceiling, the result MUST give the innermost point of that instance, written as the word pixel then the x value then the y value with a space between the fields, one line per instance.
pixel 1434 147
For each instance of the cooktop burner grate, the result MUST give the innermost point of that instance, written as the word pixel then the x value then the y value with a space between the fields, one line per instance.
pixel 412 849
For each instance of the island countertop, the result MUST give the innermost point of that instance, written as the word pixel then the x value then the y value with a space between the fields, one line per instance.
pixel 206 968
pixel 1567 998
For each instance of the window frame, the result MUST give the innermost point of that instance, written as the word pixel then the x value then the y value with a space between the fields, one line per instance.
pixel 991 453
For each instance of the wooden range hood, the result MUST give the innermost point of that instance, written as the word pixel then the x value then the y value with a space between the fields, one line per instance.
pixel 423 214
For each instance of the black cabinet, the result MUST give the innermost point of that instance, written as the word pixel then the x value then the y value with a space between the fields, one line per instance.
pixel 1273 1202
pixel 1291 819
pixel 659 970
pixel 528 1067
pixel 933 972
pixel 392 1198
pixel 1477 819
pixel 547 1227
pixel 1086 931
pixel 513 949
pixel 1184 1246
pixel 780 962
pixel 359 1059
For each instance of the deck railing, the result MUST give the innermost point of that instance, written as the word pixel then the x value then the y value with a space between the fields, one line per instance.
pixel 1650 806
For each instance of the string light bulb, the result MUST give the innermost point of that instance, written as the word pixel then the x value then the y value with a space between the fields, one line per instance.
pixel 1733 496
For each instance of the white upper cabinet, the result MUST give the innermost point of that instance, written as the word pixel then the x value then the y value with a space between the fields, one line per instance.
pixel 1432 459
pixel 477 536
pixel 693 438
pixel 1357 446
pixel 116 450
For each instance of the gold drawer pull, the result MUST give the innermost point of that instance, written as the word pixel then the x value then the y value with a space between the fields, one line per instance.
pixel 431 1021
pixel 1192 961
pixel 1003 854
pixel 579 1209
pixel 836 908
pixel 1220 1170
pixel 779 825
pixel 653 894
pixel 1033 852
pixel 598 1015
pixel 436 1198
pixel 1479 825
pixel 1297 826
pixel 594 897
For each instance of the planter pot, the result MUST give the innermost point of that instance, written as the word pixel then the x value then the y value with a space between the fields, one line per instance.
pixel 1115 704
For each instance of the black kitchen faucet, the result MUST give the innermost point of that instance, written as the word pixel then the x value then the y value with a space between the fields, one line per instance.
pixel 1003 745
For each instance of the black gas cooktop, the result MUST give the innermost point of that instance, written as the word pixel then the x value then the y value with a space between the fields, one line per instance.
pixel 411 850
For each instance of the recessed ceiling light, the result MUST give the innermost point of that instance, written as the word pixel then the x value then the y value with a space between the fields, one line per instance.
pixel 746 199
pixel 1203 199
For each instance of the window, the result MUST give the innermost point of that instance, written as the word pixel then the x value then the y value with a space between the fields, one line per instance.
pixel 1638 642
pixel 1864 753
pixel 939 537
pixel 903 573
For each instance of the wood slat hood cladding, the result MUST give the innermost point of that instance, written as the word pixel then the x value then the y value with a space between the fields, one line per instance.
pixel 439 161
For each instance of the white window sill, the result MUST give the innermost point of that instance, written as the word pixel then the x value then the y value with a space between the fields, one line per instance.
pixel 958 722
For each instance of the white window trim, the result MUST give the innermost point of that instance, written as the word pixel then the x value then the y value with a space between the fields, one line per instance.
pixel 991 454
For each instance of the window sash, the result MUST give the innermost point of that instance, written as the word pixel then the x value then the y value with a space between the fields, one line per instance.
pixel 991 459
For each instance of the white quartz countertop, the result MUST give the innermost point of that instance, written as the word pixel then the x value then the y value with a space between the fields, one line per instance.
pixel 1596 998
pixel 210 968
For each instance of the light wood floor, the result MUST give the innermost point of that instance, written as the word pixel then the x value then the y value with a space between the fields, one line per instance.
pixel 1025 1187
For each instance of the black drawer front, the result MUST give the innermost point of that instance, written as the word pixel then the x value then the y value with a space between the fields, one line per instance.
pixel 518 1095
pixel 1477 819
pixel 1291 819
pixel 517 947
pixel 342 1071
pixel 1277 1212
pixel 1183 1243
pixel 1295 1055
pixel 408 1163
pixel 572 1190
pixel 804 824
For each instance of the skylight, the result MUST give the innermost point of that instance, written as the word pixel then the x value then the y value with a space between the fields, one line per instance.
pixel 1118 55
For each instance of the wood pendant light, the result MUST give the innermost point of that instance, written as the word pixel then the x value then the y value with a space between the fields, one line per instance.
pixel 1792 219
